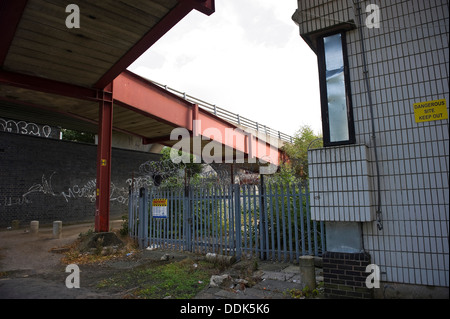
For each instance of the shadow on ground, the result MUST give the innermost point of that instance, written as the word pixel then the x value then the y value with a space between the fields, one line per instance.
pixel 33 266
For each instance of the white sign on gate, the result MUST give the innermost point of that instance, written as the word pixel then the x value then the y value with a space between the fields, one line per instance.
pixel 159 208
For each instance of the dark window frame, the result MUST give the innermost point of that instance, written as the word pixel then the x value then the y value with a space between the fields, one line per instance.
pixel 324 95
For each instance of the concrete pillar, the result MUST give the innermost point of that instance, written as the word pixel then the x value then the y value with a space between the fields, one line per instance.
pixel 57 229
pixel 34 227
pixel 308 271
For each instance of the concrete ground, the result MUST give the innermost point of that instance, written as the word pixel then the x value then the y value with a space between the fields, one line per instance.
pixel 276 280
pixel 31 268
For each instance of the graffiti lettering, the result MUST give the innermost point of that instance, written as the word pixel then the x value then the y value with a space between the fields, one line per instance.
pixel 13 201
pixel 45 187
pixel 22 127
pixel 140 181
pixel 87 191
pixel 118 194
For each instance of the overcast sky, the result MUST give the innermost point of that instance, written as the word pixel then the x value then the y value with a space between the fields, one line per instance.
pixel 247 57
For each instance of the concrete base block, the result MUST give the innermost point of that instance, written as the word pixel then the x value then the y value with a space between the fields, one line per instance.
pixel 308 271
pixel 57 229
pixel 34 227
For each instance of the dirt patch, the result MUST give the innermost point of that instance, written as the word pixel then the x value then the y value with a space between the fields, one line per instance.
pixel 35 267
pixel 99 240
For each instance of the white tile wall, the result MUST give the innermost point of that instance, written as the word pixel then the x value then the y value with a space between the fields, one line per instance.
pixel 340 184
pixel 408 63
pixel 321 14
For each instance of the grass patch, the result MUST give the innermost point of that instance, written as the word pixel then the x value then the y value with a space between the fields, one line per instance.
pixel 177 280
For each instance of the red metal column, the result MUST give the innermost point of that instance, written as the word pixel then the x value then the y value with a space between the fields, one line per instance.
pixel 104 160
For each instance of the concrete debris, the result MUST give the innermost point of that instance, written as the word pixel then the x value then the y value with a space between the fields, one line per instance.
pixel 165 257
pixel 220 280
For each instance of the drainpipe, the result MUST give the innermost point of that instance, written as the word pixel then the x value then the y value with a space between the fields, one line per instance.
pixel 369 97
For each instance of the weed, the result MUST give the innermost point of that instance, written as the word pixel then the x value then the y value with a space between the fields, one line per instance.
pixel 125 228
pixel 306 292
pixel 78 254
pixel 178 280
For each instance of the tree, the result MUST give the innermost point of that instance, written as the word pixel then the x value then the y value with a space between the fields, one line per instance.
pixel 193 168
pixel 77 136
pixel 297 152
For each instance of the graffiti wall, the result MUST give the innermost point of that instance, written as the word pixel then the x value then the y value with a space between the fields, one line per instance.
pixel 28 128
pixel 47 179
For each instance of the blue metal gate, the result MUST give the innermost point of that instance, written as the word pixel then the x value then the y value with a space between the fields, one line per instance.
pixel 271 222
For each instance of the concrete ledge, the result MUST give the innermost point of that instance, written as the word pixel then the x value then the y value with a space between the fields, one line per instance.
pixel 390 290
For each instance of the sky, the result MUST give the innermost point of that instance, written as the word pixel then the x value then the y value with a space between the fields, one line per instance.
pixel 247 58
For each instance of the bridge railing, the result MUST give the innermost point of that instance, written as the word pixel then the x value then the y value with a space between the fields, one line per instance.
pixel 227 115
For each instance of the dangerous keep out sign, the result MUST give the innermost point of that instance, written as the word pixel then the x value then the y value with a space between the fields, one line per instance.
pixel 159 208
pixel 430 111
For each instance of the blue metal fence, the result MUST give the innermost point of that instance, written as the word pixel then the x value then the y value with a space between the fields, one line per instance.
pixel 271 222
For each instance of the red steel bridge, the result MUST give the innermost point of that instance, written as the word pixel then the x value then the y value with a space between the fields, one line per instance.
pixel 77 78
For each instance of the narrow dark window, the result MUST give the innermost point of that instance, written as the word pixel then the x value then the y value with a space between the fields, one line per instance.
pixel 337 114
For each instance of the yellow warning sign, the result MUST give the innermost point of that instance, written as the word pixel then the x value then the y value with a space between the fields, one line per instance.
pixel 159 202
pixel 430 111
pixel 159 208
pixel 103 162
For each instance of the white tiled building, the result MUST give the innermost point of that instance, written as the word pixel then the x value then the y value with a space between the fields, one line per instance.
pixel 388 195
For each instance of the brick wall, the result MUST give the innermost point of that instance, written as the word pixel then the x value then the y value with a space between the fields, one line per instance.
pixel 47 179
pixel 344 275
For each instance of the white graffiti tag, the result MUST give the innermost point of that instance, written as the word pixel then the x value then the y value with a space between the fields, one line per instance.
pixel 23 127
pixel 88 190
